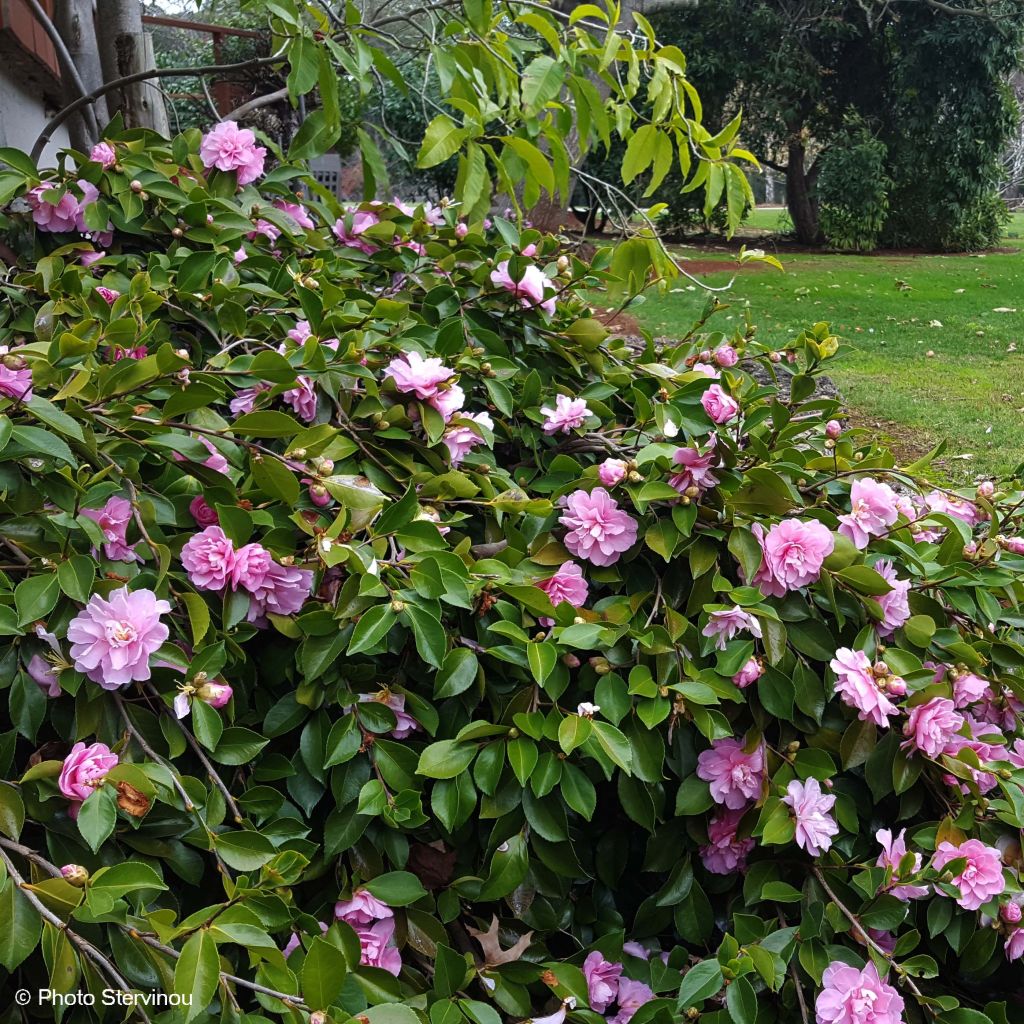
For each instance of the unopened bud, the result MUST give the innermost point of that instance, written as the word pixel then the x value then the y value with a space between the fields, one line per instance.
pixel 13 361
pixel 136 185
pixel 570 661
pixel 397 606
pixel 75 875
pixel 634 477
pixel 177 232
pixel 829 443
pixel 1010 913
pixel 600 665
pixel 986 489
pixel 318 1017
pixel 692 492
pixel 775 357
pixel 319 495
pixel 833 428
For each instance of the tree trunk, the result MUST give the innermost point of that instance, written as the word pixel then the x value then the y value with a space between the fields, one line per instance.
pixel 74 21
pixel 123 52
pixel 800 198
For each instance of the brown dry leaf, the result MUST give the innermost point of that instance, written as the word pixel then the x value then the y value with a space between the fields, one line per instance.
pixel 131 800
pixel 493 953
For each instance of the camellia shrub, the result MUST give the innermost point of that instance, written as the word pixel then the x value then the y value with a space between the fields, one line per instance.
pixel 384 640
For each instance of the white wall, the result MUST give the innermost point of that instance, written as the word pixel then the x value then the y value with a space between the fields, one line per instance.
pixel 23 115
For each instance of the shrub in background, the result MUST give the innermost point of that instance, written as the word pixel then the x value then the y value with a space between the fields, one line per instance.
pixel 382 639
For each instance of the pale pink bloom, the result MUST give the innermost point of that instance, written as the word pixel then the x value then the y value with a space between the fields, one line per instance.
pixel 986 489
pixel 44 675
pixel 931 726
pixel 725 355
pixel 987 744
pixel 696 471
pixel 362 908
pixel 968 689
pixel 632 995
pixel 15 384
pixel 377 946
pixel 724 852
pixel 230 148
pixel 1001 708
pixel 529 250
pixel 216 461
pixel 217 695
pixel 113 520
pixel 113 638
pixel 282 591
pixel 735 776
pixel 982 876
pixel 352 236
pixel 1015 944
pixel 718 405
pixel 245 400
pixel 90 193
pixel 108 295
pixel 431 214
pixel 567 584
pixel 415 375
pixel 103 154
pixel 249 567
pixel 833 429
pixel 895 605
pixel 529 289
pixel 612 472
pixel 602 981
pixel 815 827
pixel 296 212
pixel 953 505
pixel 598 530
pixel 461 230
pixel 84 770
pixel 635 949
pixel 202 513
pixel 263 227
pixel 119 353
pixel 568 414
pixel 1015 545
pixel 750 673
pixel 461 439
pixel 448 401
pixel 240 256
pixel 793 554
pixel 302 398
pixel 87 259
pixel 706 370
pixel 893 852
pixel 558 1017
pixel 849 996
pixel 209 559
pixel 300 332
pixel 724 625
pixel 1011 912
pixel 858 686
pixel 872 511
pixel 52 214
pixel 295 941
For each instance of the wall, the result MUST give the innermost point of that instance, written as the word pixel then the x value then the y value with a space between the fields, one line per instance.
pixel 23 115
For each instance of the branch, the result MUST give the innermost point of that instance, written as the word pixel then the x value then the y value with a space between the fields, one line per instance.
pixel 141 76
pixel 260 101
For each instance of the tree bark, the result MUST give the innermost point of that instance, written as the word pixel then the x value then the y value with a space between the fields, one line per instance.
pixel 74 21
pixel 800 198
pixel 123 52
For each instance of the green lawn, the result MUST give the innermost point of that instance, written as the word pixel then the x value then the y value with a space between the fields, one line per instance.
pixel 899 370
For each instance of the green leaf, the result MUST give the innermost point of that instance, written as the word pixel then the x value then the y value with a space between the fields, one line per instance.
pixel 700 982
pixel 22 926
pixel 741 1001
pixel 614 744
pixel 396 888
pixel 441 140
pixel 245 851
pixel 36 596
pixel 573 732
pixel 97 817
pixel 445 759
pixel 12 811
pixel 323 973
pixel 542 81
pixel 457 673
pixel 197 973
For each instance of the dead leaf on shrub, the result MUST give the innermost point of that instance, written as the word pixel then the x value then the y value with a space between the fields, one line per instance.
pixel 131 800
pixel 493 953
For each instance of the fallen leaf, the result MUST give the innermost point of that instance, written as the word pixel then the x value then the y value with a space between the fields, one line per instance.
pixel 493 953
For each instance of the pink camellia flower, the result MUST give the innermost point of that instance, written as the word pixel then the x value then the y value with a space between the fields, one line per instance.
pixel 461 230
pixel 202 512
pixel 724 625
pixel 1011 912
pixel 362 908
pixel 895 606
pixel 108 295
pixel 982 876
pixel 718 405
pixel 529 289
pixel 952 505
pixel 296 212
pixel 598 530
pixel 249 567
pixel 377 947
pixel 282 591
pixel 230 148
pixel 44 675
pixel 568 414
pixel 893 852
pixel 602 981
pixel 750 673
pixel 859 687
pixel 567 584
pixel 611 471
pixel 1015 944
pixel 113 520
pixel 725 853
pixel 16 383
pixel 735 776
pixel 87 259
pixel 968 689
pixel 217 695
pixel 696 471
pixel 530 250
pixel 417 376
pixel 849 996
pixel 706 370
pixel 833 429
pixel 103 154
pixel 632 995
pixel 302 398
pixel 872 511
pixel 52 214
pixel 263 227
pixel 431 214
pixel 461 439
pixel 113 638
pixel 793 553
pixel 448 401
pixel 295 941
pixel 300 332
pixel 353 236
pixel 138 352
pixel 245 400
pixel 1015 545
pixel 1001 708
pixel 84 770
pixel 209 559
pixel 931 726
pixel 216 461
pixel 725 355
pixel 815 827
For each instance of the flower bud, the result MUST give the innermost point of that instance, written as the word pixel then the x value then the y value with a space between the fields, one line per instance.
pixel 177 232
pixel 397 606
pixel 136 185
pixel 216 695
pixel 600 665
pixel 13 361
pixel 829 443
pixel 75 875
pixel 634 477
pixel 1010 913
pixel 325 467
pixel 563 264
pixel 461 230
pixel 319 495
pixel 570 661
pixel 318 1017
pixel 986 489
pixel 775 357
pixel 833 428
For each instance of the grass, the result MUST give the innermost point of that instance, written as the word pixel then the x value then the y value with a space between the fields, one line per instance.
pixel 930 343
